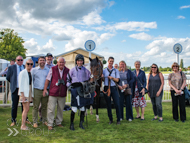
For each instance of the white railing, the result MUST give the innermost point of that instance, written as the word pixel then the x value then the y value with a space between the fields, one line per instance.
pixel 166 96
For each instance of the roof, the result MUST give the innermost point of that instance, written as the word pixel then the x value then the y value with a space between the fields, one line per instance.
pixel 79 51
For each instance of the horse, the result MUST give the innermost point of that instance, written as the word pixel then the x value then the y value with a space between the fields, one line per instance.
pixel 96 68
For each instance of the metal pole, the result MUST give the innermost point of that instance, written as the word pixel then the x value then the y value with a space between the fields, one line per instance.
pixel 89 54
pixel 177 58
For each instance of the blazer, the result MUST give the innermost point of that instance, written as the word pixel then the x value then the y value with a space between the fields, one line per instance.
pixel 23 82
pixel 142 77
pixel 12 77
pixel 130 80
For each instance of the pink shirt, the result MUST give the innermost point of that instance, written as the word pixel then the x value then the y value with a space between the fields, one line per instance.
pixel 49 76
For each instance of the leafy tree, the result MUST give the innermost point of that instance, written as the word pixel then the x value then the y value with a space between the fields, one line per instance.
pixel 181 64
pixel 11 45
pixel 55 62
pixel 104 62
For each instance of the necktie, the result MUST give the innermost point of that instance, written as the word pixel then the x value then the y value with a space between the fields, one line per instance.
pixel 20 68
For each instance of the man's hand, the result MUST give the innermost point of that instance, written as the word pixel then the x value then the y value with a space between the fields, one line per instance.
pixel 44 92
pixel 120 87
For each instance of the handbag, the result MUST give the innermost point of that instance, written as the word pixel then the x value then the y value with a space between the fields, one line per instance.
pixel 128 91
pixel 186 91
pixel 146 90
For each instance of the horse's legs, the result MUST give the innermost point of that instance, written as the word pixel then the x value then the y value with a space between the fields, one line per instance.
pixel 91 109
pixel 97 105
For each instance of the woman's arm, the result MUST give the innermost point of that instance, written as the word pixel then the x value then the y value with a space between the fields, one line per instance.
pixel 184 82
pixel 162 84
pixel 148 81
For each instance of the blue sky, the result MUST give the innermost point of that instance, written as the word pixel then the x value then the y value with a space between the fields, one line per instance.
pixel 129 30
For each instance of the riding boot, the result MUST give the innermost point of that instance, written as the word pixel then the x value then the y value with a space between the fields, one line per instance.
pixel 72 120
pixel 81 119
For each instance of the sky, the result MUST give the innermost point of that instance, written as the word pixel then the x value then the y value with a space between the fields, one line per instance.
pixel 128 30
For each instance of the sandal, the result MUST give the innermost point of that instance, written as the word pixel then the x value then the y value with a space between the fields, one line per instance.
pixel 24 129
pixel 138 117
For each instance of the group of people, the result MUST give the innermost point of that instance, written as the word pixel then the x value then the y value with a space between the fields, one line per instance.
pixel 137 83
pixel 46 86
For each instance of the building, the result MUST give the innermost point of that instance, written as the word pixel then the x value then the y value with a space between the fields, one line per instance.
pixel 70 56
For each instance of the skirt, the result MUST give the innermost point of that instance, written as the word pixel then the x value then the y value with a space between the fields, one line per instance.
pixel 27 99
pixel 138 101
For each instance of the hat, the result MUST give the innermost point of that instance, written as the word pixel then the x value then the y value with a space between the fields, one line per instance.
pixel 49 54
pixel 79 57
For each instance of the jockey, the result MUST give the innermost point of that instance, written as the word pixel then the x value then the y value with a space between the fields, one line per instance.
pixel 75 77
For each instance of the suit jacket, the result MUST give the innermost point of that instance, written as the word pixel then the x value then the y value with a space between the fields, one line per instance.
pixel 142 77
pixel 12 77
pixel 130 79
pixel 23 81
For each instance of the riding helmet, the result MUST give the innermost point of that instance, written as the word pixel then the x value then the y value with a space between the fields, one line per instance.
pixel 79 57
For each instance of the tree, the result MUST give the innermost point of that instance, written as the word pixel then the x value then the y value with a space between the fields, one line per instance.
pixel 55 62
pixel 181 64
pixel 11 45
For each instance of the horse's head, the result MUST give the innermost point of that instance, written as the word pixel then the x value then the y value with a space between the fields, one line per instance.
pixel 96 68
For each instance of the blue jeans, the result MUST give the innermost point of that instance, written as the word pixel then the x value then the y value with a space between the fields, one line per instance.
pixel 157 105
pixel 128 102
pixel 115 96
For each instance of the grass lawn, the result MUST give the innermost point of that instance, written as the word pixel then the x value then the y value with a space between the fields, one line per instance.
pixel 137 131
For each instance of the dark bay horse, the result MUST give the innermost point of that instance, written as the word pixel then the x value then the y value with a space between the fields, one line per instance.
pixel 96 68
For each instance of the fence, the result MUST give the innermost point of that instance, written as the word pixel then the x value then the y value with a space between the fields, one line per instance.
pixel 6 100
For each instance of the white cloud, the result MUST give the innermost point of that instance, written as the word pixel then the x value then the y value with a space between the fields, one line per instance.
pixel 123 41
pixel 159 52
pixel 111 3
pixel 186 6
pixel 81 37
pixel 129 26
pixel 181 17
pixel 34 48
pixel 141 36
pixel 92 18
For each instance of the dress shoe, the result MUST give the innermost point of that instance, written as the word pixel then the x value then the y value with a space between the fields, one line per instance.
pixel 176 120
pixel 160 120
pixel 118 123
pixel 35 125
pixel 154 119
pixel 110 122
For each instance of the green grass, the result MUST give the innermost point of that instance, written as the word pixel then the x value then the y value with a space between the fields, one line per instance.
pixel 131 132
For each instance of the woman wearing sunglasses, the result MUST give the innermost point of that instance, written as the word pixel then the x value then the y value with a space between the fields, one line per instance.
pixel 25 91
pixel 155 85
pixel 177 83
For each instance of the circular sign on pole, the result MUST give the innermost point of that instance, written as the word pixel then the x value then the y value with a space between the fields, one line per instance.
pixel 90 45
pixel 177 48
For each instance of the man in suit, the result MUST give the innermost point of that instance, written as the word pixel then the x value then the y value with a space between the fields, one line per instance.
pixel 12 77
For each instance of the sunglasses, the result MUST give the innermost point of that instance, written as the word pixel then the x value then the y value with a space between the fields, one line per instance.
pixel 175 66
pixel 20 60
pixel 154 67
pixel 29 64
